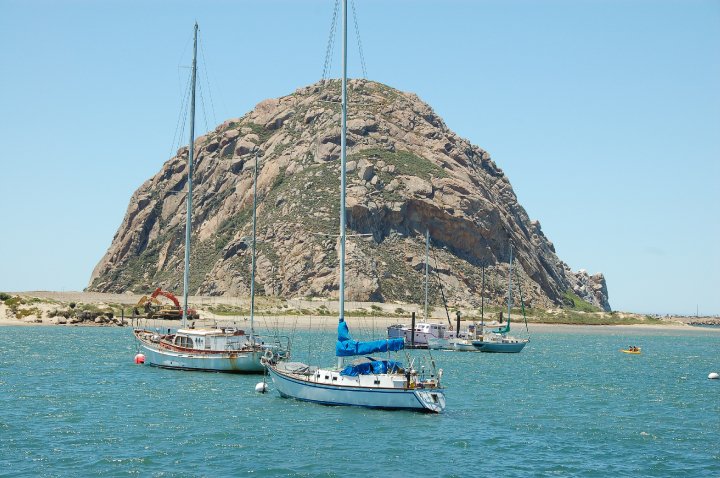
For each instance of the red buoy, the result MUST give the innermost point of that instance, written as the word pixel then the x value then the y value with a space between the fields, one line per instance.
pixel 139 359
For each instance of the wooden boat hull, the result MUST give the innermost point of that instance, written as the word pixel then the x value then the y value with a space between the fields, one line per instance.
pixel 308 390
pixel 220 361
pixel 631 352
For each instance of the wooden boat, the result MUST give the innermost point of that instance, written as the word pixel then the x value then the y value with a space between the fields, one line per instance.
pixel 216 349
pixel 633 351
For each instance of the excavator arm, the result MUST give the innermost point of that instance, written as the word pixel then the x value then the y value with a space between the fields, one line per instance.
pixel 147 300
pixel 166 294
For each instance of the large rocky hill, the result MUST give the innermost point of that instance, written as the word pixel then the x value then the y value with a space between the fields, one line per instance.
pixel 407 172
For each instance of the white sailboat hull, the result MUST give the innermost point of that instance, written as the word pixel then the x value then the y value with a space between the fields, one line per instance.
pixel 460 345
pixel 435 343
pixel 351 391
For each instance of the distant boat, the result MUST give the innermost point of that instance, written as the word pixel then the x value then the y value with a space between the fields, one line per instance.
pixel 461 343
pixel 463 340
pixel 499 341
pixel 368 381
pixel 426 334
pixel 218 349
pixel 632 350
pixel 422 335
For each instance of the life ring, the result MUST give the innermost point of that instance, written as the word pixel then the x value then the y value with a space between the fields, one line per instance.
pixel 268 355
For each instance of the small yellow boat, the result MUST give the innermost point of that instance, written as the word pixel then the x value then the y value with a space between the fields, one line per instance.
pixel 631 350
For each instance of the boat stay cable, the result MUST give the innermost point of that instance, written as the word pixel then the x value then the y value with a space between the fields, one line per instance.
pixel 207 81
pixel 182 117
pixel 331 43
pixel 359 40
pixel 522 303
pixel 442 291
pixel 184 101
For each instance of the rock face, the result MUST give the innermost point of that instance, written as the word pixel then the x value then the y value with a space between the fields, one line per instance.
pixel 407 172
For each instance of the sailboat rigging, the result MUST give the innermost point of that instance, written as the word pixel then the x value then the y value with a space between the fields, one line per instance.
pixel 498 340
pixel 425 334
pixel 218 349
pixel 367 381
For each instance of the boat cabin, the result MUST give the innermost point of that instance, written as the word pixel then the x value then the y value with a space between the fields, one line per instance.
pixel 210 339
pixel 422 331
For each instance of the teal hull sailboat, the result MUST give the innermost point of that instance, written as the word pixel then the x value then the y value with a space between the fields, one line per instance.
pixel 498 341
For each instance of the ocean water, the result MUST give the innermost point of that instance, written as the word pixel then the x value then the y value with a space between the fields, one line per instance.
pixel 72 403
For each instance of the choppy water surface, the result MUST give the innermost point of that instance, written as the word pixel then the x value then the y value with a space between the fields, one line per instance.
pixel 72 403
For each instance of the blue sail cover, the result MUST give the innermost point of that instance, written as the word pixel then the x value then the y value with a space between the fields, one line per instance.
pixel 373 367
pixel 347 347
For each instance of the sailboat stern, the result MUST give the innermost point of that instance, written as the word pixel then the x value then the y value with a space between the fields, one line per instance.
pixel 432 400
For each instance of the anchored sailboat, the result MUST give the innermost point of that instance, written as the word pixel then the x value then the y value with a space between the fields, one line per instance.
pixel 218 349
pixel 368 381
pixel 426 334
pixel 498 340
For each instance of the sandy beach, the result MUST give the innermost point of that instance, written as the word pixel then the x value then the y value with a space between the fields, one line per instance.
pixel 272 314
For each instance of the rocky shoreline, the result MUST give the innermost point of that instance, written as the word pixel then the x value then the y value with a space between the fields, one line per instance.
pixel 713 322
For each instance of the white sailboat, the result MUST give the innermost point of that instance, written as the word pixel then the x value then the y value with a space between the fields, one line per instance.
pixel 217 349
pixel 433 335
pixel 463 341
pixel 368 381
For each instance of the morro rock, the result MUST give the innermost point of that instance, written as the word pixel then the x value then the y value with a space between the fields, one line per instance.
pixel 407 172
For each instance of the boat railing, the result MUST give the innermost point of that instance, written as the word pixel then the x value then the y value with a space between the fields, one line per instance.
pixel 280 344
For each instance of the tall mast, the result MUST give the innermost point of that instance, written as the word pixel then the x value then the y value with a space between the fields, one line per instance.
pixel 252 275
pixel 510 284
pixel 427 269
pixel 482 298
pixel 343 146
pixel 191 152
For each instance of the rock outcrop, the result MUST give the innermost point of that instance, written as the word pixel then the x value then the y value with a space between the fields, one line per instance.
pixel 406 172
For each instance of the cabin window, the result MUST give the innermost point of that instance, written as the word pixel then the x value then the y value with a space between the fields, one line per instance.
pixel 327 377
pixel 183 341
pixel 334 378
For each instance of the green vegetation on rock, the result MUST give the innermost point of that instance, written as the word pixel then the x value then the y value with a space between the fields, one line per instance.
pixel 578 303
pixel 405 163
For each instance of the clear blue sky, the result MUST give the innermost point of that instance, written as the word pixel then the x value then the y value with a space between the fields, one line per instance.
pixel 605 115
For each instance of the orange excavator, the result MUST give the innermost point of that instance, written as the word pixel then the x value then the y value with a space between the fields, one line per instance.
pixel 157 310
